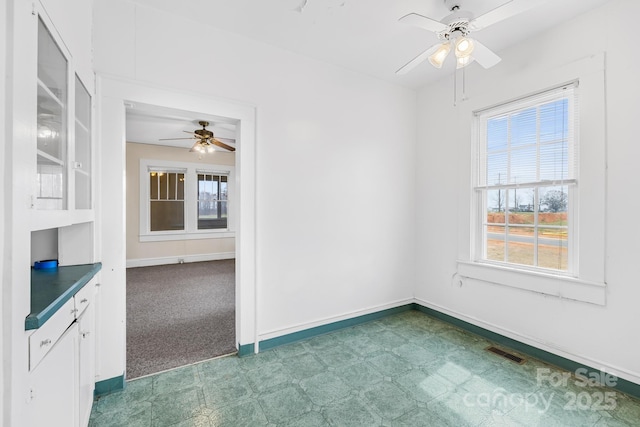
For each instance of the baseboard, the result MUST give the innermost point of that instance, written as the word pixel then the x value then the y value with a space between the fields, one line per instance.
pixel 178 259
pixel 569 364
pixel 111 385
pixel 471 325
pixel 330 327
pixel 245 349
pixel 335 321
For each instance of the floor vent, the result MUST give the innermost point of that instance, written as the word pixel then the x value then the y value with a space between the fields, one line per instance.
pixel 506 355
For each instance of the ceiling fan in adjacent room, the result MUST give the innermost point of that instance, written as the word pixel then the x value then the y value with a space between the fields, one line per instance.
pixel 205 140
pixel 453 32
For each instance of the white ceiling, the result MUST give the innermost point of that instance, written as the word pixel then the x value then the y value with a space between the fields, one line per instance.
pixel 148 124
pixel 365 35
pixel 359 35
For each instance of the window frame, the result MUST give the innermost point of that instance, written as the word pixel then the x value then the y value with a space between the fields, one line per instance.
pixel 190 171
pixel 591 284
pixel 481 185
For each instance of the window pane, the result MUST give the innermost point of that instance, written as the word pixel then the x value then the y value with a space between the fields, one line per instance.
pixel 554 200
pixel 223 209
pixel 180 194
pixel 554 161
pixel 153 185
pixel 552 248
pixel 163 185
pixel 497 133
pixel 223 188
pixel 496 203
pixel 173 186
pixel 167 215
pixel 212 215
pixel 523 165
pixel 554 118
pixel 524 127
pixel 495 242
pixel 520 247
pixel 497 168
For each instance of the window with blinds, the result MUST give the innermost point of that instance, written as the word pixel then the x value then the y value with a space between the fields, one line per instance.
pixel 526 180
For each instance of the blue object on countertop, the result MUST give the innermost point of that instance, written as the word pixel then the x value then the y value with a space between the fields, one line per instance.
pixel 46 264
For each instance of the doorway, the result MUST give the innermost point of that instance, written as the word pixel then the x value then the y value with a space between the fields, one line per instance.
pixel 112 110
pixel 181 191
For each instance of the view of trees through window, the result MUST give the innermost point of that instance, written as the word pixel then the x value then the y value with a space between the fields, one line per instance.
pixel 526 178
pixel 212 201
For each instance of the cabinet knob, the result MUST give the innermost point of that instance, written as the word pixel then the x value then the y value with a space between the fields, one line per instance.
pixel 45 342
pixel 74 310
pixel 83 300
pixel 85 333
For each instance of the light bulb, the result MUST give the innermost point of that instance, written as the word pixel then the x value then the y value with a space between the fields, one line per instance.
pixel 464 61
pixel 440 55
pixel 464 47
pixel 210 149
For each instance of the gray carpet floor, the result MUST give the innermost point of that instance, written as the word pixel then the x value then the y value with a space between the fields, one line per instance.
pixel 179 314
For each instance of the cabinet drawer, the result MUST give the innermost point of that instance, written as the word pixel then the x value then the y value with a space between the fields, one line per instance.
pixel 84 297
pixel 44 338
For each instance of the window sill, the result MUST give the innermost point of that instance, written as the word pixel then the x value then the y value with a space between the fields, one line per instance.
pixel 169 236
pixel 548 284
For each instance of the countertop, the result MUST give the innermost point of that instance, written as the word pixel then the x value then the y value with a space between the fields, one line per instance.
pixel 51 288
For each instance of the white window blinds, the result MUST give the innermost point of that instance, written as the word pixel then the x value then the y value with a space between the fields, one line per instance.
pixel 530 141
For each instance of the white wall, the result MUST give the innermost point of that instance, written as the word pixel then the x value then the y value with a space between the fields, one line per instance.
pixel 4 137
pixel 335 185
pixel 600 336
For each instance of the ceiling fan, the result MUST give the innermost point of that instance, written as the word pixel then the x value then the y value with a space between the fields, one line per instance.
pixel 205 140
pixel 453 32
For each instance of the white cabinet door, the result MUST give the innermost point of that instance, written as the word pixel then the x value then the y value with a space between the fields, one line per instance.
pixel 54 384
pixel 87 357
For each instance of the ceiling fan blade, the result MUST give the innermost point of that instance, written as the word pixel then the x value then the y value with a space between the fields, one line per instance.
pixel 418 60
pixel 484 56
pixel 173 139
pixel 502 12
pixel 221 144
pixel 423 22
pixel 231 140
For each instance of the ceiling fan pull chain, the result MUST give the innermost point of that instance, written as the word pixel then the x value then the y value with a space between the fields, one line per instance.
pixel 455 89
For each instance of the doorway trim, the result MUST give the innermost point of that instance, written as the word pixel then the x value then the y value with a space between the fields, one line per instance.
pixel 112 96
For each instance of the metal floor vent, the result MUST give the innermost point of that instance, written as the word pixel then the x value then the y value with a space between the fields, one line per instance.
pixel 506 355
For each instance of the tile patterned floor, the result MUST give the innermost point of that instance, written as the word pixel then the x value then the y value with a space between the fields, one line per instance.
pixel 407 369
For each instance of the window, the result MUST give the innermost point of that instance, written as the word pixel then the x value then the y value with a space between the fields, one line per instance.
pixel 184 200
pixel 526 182
pixel 212 201
pixel 166 200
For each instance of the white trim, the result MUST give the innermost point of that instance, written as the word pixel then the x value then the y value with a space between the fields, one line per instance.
pixel 165 236
pixel 114 93
pixel 326 321
pixel 618 372
pixel 588 223
pixel 148 262
pixel 534 281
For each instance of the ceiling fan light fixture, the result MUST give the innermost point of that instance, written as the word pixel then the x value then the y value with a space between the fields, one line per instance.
pixel 463 61
pixel 438 57
pixel 464 47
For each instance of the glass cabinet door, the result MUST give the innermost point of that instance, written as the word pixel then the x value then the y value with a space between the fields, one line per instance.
pixel 52 119
pixel 82 165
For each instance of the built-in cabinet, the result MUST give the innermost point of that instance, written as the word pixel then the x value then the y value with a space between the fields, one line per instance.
pixel 62 362
pixel 52 187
